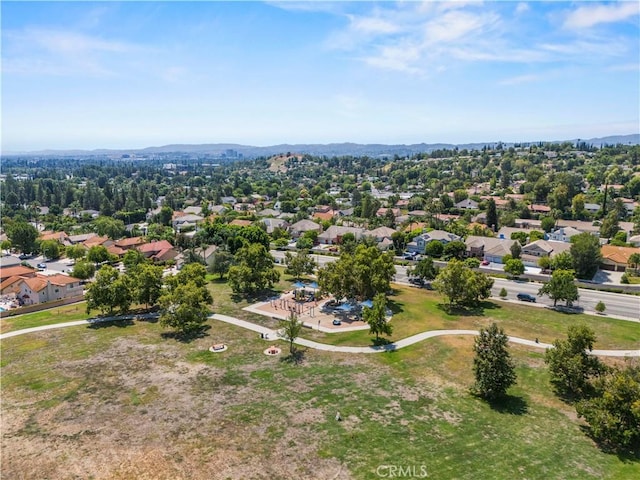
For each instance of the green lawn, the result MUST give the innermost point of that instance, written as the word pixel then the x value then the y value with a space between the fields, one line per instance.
pixel 416 311
pixel 67 313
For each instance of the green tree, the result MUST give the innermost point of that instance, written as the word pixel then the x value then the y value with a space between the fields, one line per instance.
pixel 83 270
pixel 503 292
pixel 535 235
pixel 560 287
pixel 571 366
pixel 75 252
pixel 455 249
pixel 600 307
pixel 434 249
pixel 634 260
pixel 300 264
pixel 5 246
pixel 613 414
pixel 424 269
pixel 254 270
pixel 547 224
pixel 109 291
pixel 184 307
pixel 133 259
pixel 376 316
pixel 585 250
pixel 51 249
pixel 516 250
pixel 562 261
pixel 609 226
pixel 110 227
pixel 290 330
pixel 363 274
pixel 148 283
pixel 545 262
pixel 220 262
pixel 23 236
pixel 461 285
pixel 492 215
pixel 493 368
pixel 98 254
pixel 514 267
pixel 520 237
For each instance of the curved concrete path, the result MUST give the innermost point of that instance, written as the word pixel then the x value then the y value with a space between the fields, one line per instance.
pixel 405 342
pixel 273 334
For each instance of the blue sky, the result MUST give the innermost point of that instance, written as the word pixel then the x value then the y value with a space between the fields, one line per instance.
pixel 129 75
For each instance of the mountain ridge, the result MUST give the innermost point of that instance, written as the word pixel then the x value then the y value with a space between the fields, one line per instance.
pixel 331 149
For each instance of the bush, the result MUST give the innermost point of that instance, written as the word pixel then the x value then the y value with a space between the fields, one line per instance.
pixel 624 279
pixel 503 293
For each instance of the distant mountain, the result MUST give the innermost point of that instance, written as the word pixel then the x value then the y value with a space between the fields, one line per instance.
pixel 233 150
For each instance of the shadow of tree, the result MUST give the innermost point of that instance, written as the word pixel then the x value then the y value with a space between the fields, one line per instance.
pixel 395 307
pixel 510 404
pixel 625 455
pixel 296 357
pixel 107 323
pixel 380 342
pixel 189 336
pixel 464 311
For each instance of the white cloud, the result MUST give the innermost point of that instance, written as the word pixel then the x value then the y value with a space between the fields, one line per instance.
pixel 400 57
pixel 456 25
pixel 522 7
pixel 38 51
pixel 520 79
pixel 373 25
pixel 590 15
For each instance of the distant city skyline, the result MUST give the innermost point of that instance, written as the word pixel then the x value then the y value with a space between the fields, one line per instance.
pixel 88 75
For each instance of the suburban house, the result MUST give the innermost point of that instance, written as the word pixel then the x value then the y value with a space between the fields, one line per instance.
pixel 97 241
pixel 159 251
pixel 228 200
pixel 539 208
pixel 185 221
pixel 616 258
pixel 382 235
pixel 381 212
pixel 60 237
pixel 635 240
pixel 269 212
pixel 467 204
pixel 300 228
pixel 334 234
pixel 32 290
pixel 129 243
pixel 490 249
pixel 563 234
pixel 18 270
pixel 592 207
pixel 205 253
pixel 325 214
pixel 419 243
pixel 240 222
pixel 273 223
pixel 193 209
pixel 533 251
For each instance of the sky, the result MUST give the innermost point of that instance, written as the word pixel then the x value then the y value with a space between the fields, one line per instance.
pixel 135 74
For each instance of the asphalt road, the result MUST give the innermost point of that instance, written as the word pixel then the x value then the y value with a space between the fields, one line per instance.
pixel 617 304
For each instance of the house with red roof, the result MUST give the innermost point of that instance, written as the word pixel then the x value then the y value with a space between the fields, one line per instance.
pixel 160 251
pixel 41 288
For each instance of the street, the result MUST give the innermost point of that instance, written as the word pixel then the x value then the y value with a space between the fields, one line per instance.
pixel 618 305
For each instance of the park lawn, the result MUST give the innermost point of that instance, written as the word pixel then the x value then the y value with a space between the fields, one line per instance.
pixel 417 311
pixel 124 401
pixel 66 313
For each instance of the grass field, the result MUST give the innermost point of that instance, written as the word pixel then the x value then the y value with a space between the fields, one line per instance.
pixel 122 400
pixel 67 313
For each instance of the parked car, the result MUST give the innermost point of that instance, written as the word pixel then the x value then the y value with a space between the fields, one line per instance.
pixel 485 262
pixel 525 297
pixel 42 266
pixel 416 281
pixel 336 322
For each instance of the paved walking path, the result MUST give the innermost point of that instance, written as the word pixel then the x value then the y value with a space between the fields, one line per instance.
pixel 405 342
pixel 273 335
